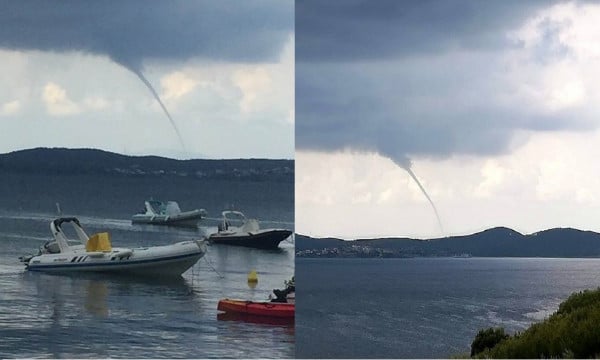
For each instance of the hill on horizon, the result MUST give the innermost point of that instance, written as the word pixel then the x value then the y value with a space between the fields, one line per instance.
pixel 94 161
pixel 94 150
pixel 493 242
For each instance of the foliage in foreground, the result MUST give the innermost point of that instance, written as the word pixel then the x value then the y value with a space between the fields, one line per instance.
pixel 487 339
pixel 572 331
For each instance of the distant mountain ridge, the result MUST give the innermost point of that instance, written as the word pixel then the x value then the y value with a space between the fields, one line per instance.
pixel 93 161
pixel 494 242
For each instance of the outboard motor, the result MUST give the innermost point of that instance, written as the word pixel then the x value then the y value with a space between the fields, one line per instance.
pixel 50 247
pixel 281 295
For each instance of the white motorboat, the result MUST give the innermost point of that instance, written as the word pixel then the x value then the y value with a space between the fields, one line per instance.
pixel 96 254
pixel 159 213
pixel 248 234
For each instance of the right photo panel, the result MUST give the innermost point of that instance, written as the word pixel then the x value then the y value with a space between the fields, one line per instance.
pixel 447 179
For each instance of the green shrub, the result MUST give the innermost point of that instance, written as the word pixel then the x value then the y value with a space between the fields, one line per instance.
pixel 487 339
pixel 572 331
pixel 578 300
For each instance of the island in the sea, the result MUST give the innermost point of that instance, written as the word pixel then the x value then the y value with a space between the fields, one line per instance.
pixel 495 242
pixel 48 161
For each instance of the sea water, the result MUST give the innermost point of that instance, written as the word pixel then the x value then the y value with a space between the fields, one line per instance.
pixel 425 307
pixel 97 315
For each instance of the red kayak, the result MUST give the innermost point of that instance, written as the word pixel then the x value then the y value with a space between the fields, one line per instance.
pixel 273 309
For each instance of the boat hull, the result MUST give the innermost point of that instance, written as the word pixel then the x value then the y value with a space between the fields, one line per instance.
pixel 188 219
pixel 170 260
pixel 268 239
pixel 266 309
pixel 255 319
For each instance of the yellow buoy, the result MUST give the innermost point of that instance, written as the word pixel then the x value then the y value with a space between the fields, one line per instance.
pixel 252 277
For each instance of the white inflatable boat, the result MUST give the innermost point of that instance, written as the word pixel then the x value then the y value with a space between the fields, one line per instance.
pixel 96 254
pixel 158 213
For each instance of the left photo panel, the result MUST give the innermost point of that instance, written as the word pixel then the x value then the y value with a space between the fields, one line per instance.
pixel 147 192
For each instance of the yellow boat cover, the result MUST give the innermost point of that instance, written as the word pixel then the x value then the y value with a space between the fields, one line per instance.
pixel 99 242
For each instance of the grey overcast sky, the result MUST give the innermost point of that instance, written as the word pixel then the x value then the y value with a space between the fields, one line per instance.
pixel 494 103
pixel 224 70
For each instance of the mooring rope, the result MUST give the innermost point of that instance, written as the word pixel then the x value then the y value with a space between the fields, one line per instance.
pixel 211 265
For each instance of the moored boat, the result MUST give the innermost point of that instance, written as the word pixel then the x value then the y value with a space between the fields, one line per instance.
pixel 270 309
pixel 283 306
pixel 248 234
pixel 159 213
pixel 96 254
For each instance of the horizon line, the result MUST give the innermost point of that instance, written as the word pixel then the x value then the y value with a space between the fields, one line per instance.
pixel 143 155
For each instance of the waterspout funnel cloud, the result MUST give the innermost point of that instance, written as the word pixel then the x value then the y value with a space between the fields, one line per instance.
pixel 406 164
pixel 145 81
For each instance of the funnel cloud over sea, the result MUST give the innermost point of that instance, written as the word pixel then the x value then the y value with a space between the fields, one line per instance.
pixel 406 164
pixel 212 69
pixel 139 73
pixel 497 105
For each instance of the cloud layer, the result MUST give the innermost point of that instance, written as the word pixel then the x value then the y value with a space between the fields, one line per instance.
pixel 131 32
pixel 223 69
pixel 440 78
pixel 359 30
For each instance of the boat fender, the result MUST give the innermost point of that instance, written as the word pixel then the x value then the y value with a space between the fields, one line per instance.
pixel 253 277
pixel 95 254
pixel 123 254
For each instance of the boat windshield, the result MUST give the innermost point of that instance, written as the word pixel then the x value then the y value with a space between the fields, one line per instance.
pixel 157 206
pixel 235 217
pixel 70 234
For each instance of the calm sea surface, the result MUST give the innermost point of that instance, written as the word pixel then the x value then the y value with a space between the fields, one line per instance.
pixel 425 308
pixel 91 316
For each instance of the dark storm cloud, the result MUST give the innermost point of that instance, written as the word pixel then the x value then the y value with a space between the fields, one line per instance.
pixel 130 32
pixel 351 30
pixel 417 78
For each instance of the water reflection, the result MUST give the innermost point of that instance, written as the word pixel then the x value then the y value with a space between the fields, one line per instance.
pixel 95 300
pixel 97 315
pixel 91 293
pixel 255 319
